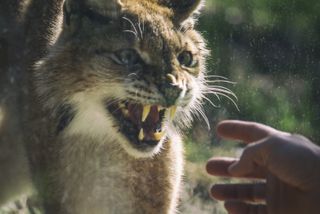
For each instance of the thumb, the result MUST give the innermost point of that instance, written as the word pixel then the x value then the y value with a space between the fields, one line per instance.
pixel 254 157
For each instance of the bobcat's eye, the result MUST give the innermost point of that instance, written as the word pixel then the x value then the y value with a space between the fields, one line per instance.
pixel 127 57
pixel 186 59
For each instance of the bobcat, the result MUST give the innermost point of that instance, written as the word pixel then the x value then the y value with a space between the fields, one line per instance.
pixel 108 104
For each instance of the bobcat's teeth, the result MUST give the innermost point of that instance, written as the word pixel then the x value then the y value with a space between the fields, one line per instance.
pixel 170 112
pixel 158 135
pixel 145 112
pixel 173 111
pixel 141 135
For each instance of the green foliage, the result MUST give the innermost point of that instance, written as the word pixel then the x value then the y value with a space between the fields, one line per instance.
pixel 275 105
pixel 271 48
pixel 201 152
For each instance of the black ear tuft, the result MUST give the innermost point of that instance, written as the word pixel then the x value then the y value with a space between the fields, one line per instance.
pixel 183 9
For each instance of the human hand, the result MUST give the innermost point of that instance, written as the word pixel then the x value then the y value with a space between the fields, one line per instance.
pixel 288 164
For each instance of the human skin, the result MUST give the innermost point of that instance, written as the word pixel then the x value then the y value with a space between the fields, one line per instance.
pixel 287 166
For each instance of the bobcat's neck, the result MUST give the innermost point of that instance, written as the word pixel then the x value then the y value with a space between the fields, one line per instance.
pixel 102 178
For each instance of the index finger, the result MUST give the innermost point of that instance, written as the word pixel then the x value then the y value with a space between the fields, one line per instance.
pixel 219 166
pixel 244 131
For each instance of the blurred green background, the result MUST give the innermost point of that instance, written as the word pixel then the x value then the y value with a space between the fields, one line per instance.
pixel 271 49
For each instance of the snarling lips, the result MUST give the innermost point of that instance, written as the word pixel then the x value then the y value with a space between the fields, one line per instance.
pixel 141 124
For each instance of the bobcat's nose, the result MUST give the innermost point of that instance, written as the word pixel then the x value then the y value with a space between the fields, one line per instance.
pixel 172 90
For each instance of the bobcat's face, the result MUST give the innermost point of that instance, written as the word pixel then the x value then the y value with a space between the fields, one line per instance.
pixel 128 71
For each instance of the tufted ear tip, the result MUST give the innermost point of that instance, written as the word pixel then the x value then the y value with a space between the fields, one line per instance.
pixel 183 9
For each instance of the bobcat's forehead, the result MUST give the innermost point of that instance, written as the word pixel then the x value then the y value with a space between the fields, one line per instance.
pixel 156 37
pixel 144 7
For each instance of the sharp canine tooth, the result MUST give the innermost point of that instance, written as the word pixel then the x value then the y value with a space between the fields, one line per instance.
pixel 173 111
pixel 141 135
pixel 158 135
pixel 145 112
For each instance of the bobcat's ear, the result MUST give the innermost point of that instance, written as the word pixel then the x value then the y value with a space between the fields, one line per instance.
pixel 183 9
pixel 76 8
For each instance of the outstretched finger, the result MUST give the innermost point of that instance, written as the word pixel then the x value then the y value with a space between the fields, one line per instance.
pixel 254 192
pixel 238 207
pixel 244 131
pixel 219 166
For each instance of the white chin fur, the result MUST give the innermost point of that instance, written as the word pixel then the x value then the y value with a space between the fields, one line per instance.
pixel 152 151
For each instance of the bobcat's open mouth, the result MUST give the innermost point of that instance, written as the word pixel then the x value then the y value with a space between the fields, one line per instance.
pixel 141 124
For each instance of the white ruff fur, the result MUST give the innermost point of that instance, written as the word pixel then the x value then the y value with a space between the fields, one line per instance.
pixel 101 186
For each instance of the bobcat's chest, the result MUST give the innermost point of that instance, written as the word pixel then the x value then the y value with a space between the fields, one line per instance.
pixel 98 183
